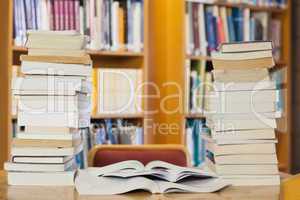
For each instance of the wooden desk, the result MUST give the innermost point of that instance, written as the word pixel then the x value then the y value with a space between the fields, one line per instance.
pixel 68 193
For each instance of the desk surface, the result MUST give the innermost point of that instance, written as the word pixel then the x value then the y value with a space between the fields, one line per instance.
pixel 68 193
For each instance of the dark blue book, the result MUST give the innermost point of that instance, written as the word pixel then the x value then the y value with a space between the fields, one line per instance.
pixel 210 31
pixel 238 22
pixel 231 30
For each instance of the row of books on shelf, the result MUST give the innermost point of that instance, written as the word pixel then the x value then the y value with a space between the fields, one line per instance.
pixel 208 26
pixel 267 3
pixel 113 25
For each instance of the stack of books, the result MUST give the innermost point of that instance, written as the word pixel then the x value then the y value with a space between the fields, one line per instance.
pixel 241 115
pixel 53 105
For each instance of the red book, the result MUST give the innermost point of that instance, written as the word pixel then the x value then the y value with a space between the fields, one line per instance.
pixel 77 15
pixel 66 15
pixel 56 15
pixel 221 33
pixel 50 13
pixel 71 14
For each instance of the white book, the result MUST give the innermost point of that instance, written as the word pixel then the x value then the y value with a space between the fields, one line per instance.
pixel 115 26
pixel 137 26
pixel 252 169
pixel 246 46
pixel 219 86
pixel 253 180
pixel 245 149
pixel 55 119
pixel 246 160
pixel 42 159
pixel 248 97
pixel 50 130
pixel 241 56
pixel 41 178
pixel 47 136
pixel 47 68
pixel 30 167
pixel 50 85
pixel 36 151
pixel 241 124
pixel 207 138
pixel 246 23
pixel 227 107
pixel 96 40
pixel 244 134
pixel 55 103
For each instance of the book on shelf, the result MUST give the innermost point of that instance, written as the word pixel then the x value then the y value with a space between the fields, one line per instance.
pixel 108 25
pixel 194 141
pixel 115 179
pixel 209 25
pixel 119 131
pixel 241 115
pixel 126 85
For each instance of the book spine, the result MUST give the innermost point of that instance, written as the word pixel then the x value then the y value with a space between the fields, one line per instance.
pixel 61 14
pixel 56 15
pixel 66 15
pixel 77 15
pixel 195 28
pixel 50 11
pixel 72 13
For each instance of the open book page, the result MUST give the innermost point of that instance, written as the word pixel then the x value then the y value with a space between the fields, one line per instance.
pixel 132 165
pixel 162 170
pixel 88 183
pixel 197 186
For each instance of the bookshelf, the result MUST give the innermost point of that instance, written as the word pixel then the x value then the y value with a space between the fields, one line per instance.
pixel 113 59
pixel 170 26
pixel 5 72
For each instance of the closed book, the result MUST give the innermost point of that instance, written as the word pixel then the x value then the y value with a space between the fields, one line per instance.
pixel 36 151
pixel 241 75
pixel 50 85
pixel 31 167
pixel 246 46
pixel 56 52
pixel 48 136
pixel 253 180
pixel 50 130
pixel 45 143
pixel 244 64
pixel 244 134
pixel 54 103
pixel 85 60
pixel 242 55
pixel 55 119
pixel 228 141
pixel 41 178
pixel 55 39
pixel 245 149
pixel 250 159
pixel 48 68
pixel 242 124
pixel 244 86
pixel 42 159
pixel 252 169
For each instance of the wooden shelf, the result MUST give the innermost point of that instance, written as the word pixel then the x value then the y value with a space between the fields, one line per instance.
pixel 94 52
pixel 194 116
pixel 118 116
pixel 243 5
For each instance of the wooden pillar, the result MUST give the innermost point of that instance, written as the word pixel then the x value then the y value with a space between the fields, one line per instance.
pixel 5 72
pixel 166 61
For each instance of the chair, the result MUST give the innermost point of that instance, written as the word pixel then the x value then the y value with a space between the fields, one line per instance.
pixel 290 188
pixel 103 155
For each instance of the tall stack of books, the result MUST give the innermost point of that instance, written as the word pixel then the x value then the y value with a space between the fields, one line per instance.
pixel 241 115
pixel 54 104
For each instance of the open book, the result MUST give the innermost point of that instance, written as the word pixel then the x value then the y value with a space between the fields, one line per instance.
pixel 156 177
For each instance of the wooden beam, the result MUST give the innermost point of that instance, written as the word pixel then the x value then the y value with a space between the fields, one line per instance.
pixel 5 73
